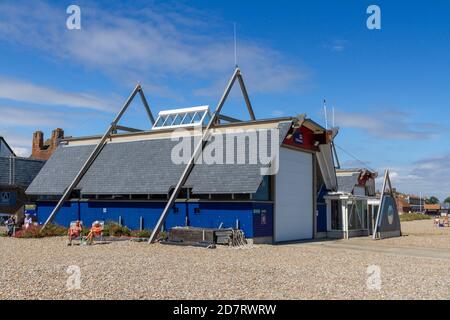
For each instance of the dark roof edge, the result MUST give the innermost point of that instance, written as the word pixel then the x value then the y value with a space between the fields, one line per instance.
pixel 24 158
pixel 243 123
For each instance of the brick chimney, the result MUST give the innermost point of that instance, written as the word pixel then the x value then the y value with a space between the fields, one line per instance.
pixel 43 151
pixel 38 140
pixel 57 135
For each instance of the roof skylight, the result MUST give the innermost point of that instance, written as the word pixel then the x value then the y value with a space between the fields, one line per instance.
pixel 186 117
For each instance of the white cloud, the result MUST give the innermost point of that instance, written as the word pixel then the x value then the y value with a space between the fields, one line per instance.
pixel 388 124
pixel 18 142
pixel 22 152
pixel 278 113
pixel 156 45
pixel 17 117
pixel 23 91
pixel 336 45
pixel 429 176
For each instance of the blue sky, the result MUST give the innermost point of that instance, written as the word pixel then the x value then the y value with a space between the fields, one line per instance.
pixel 390 88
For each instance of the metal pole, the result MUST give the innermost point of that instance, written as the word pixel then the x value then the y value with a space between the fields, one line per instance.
pixel 194 157
pixel 247 99
pixel 146 106
pixel 335 155
pixel 91 157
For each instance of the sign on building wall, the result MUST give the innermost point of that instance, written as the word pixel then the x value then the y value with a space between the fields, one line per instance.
pixel 302 138
pixel 30 209
pixel 7 199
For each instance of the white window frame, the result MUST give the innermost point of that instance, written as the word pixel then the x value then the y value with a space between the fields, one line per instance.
pixel 177 112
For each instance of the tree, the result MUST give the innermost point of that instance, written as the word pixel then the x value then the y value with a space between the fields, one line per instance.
pixel 447 200
pixel 432 200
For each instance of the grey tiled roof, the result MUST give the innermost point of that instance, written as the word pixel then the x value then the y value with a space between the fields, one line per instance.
pixel 18 171
pixel 142 167
pixel 346 183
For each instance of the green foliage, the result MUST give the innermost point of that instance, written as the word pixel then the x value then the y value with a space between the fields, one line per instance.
pixel 414 216
pixel 447 200
pixel 163 235
pixel 432 200
pixel 141 233
pixel 52 230
pixel 85 232
pixel 113 229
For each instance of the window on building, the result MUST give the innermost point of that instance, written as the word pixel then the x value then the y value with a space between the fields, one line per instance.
pixel 264 191
pixel 357 214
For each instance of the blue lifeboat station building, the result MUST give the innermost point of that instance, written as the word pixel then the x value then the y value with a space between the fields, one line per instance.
pixel 265 177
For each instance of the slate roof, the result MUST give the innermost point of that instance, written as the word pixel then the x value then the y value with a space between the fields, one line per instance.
pixel 18 171
pixel 143 167
pixel 346 183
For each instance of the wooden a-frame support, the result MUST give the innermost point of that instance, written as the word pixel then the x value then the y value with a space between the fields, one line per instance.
pixel 113 127
pixel 199 148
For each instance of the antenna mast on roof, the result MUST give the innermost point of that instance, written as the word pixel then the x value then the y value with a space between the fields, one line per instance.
pixel 325 113
pixel 235 46
pixel 333 118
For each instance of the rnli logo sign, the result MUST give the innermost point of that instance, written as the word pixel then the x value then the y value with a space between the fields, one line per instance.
pixel 298 137
pixel 5 198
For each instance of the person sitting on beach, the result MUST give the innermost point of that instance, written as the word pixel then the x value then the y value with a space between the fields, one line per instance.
pixel 96 230
pixel 75 231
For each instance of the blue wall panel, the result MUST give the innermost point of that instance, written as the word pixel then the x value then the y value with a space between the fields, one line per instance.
pixel 212 214
pixel 130 213
pixel 68 212
pixel 262 220
pixel 322 210
pixel 255 219
pixel 176 217
pixel 321 217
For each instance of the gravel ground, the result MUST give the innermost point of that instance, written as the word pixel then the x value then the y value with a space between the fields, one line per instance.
pixel 36 269
pixel 420 234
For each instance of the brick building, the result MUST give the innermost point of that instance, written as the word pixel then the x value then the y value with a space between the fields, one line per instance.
pixel 43 150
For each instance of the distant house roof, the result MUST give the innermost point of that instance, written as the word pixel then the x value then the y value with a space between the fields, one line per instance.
pixel 348 179
pixel 5 149
pixel 347 182
pixel 412 196
pixel 432 207
pixel 401 201
pixel 17 171
pixel 144 167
